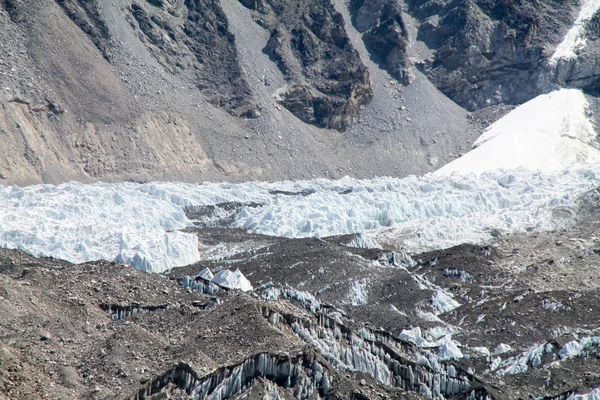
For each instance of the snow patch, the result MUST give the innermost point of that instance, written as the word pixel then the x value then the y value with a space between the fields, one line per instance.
pixel 549 133
pixel 574 41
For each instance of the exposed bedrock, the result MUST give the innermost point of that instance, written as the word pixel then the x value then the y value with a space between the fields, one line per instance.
pixel 385 35
pixel 190 36
pixel 583 71
pixel 327 81
pixel 491 52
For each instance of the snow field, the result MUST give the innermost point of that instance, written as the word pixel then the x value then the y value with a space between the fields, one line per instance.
pixel 549 133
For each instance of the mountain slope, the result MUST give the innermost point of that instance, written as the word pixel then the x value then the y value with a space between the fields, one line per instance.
pixel 70 111
pixel 236 90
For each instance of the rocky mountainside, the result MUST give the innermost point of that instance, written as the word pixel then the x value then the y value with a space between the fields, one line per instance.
pixel 271 89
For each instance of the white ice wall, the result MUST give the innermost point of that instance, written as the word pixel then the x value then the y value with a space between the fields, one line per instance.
pixel 138 223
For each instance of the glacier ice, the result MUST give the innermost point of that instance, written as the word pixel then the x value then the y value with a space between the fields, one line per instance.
pixel 576 348
pixel 78 223
pixel 363 241
pixel 141 223
pixel 200 285
pixel 502 348
pixel 358 292
pixel 206 274
pixel 303 374
pixel 118 312
pixel 443 302
pixel 305 299
pixel 375 353
pixel 206 282
pixel 533 356
pixel 520 364
pixel 233 280
pixel 593 395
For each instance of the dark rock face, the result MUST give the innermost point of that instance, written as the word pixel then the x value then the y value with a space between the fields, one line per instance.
pixel 384 34
pixel 491 52
pixel 195 36
pixel 14 9
pixel 185 37
pixel 327 80
pixel 584 70
pixel 485 52
pixel 86 15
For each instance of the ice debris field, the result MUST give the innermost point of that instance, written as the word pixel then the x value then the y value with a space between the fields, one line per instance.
pixel 538 158
pixel 139 223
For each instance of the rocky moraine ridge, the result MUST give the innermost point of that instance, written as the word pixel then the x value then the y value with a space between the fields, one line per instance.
pixel 326 319
pixel 251 89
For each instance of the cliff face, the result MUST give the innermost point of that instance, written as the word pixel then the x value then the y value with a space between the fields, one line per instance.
pixel 267 89
pixel 492 52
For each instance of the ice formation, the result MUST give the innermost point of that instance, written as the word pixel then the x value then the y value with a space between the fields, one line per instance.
pixel 502 348
pixel 576 348
pixel 304 375
pixel 363 241
pixel 358 292
pixel 457 273
pixel 304 299
pixel 206 282
pixel 443 302
pixel 79 223
pixel 139 223
pixel 380 355
pixel 520 364
pixel 574 40
pixel 549 133
pixel 118 312
pixel 206 274
pixel 593 395
pixel 533 356
pixel 233 280
pixel 200 285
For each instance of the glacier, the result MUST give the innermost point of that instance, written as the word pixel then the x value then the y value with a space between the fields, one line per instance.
pixel 141 224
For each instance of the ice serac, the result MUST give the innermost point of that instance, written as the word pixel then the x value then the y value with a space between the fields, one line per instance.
pixel 206 274
pixel 79 223
pixel 377 353
pixel 233 280
pixel 549 133
pixel 302 374
pixel 142 224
